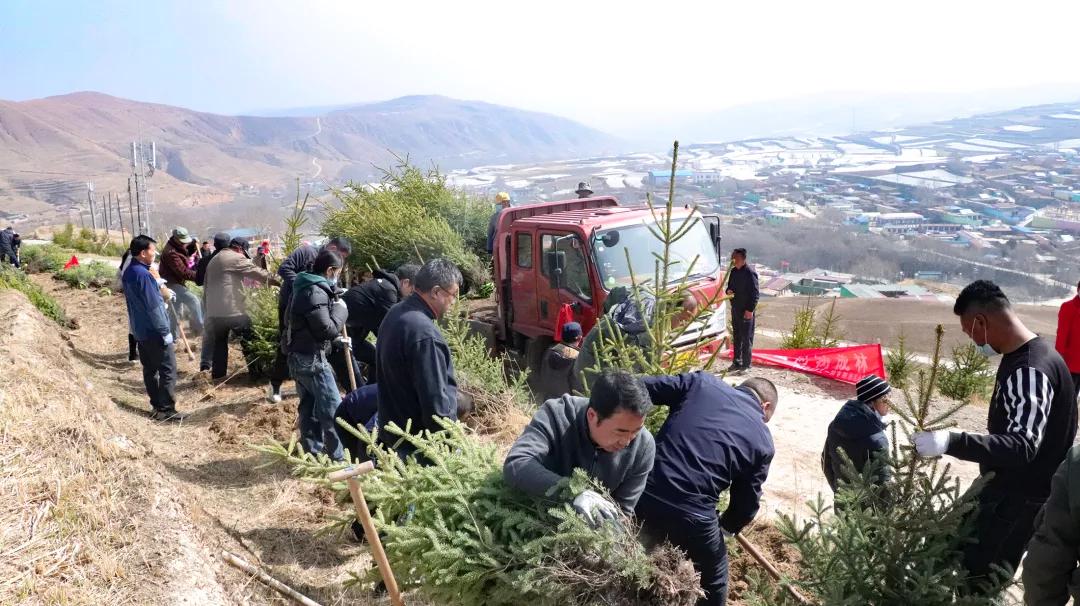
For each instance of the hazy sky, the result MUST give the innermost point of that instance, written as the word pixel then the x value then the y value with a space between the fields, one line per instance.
pixel 610 64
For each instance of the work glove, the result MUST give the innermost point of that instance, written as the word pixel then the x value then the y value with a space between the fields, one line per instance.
pixel 727 535
pixel 930 443
pixel 168 339
pixel 595 508
pixel 345 342
pixel 171 295
pixel 341 303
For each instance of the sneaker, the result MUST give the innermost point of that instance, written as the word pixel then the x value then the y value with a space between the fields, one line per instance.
pixel 174 415
pixel 274 397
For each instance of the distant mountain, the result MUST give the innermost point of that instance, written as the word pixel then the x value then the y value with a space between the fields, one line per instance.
pixel 840 113
pixel 50 147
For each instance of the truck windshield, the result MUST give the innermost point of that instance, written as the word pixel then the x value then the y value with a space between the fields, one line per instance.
pixel 611 246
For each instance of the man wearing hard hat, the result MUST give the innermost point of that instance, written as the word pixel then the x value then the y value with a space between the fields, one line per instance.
pixel 502 202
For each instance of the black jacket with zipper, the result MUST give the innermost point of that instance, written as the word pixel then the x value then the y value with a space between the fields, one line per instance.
pixel 860 434
pixel 368 303
pixel 314 320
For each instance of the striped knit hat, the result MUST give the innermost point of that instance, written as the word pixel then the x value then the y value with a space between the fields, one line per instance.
pixel 870 388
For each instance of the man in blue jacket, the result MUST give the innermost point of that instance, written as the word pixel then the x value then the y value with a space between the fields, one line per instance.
pixel 714 439
pixel 150 325
pixel 414 369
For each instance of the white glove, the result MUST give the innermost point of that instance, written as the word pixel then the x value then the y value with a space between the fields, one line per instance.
pixel 160 282
pixel 595 508
pixel 168 339
pixel 344 342
pixel 172 295
pixel 931 443
pixel 727 535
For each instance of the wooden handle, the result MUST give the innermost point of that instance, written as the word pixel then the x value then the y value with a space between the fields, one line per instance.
pixel 767 565
pixel 277 585
pixel 351 471
pixel 377 552
pixel 348 359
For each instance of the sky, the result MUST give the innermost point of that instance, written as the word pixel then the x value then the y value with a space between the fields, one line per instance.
pixel 614 65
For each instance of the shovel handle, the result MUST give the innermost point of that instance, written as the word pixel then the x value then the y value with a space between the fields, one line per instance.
pixel 351 472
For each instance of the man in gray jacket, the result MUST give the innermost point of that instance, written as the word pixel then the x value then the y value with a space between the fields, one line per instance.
pixel 604 435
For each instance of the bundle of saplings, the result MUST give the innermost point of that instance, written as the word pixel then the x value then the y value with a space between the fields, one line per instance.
pixel 457 534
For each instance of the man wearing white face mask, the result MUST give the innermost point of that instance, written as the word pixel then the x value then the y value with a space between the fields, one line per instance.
pixel 1031 425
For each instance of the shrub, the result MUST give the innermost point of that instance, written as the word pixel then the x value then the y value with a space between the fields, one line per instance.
pixel 967 375
pixel 900 364
pixel 811 332
pixel 87 241
pixel 261 345
pixel 94 274
pixel 44 258
pixel 405 219
pixel 17 280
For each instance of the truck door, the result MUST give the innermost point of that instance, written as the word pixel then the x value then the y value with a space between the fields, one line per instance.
pixel 523 275
pixel 576 285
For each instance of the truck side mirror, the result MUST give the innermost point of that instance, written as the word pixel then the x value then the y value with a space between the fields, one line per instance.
pixel 554 264
pixel 713 221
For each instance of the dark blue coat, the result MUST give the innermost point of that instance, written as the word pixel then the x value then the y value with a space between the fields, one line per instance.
pixel 414 369
pixel 714 439
pixel 860 433
pixel 146 309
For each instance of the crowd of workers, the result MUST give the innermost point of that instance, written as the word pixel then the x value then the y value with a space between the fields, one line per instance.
pixel 715 438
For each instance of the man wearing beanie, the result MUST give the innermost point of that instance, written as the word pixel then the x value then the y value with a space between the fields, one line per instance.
pixel 558 367
pixel 859 431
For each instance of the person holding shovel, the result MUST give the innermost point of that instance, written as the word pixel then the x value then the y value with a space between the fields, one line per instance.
pixel 313 321
pixel 714 439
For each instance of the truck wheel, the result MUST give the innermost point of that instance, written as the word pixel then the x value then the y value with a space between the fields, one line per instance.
pixel 534 352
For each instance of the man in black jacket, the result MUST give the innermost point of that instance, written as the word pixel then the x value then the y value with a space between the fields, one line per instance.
pixel 7 246
pixel 300 260
pixel 859 431
pixel 743 288
pixel 314 318
pixel 415 372
pixel 714 439
pixel 1031 425
pixel 368 303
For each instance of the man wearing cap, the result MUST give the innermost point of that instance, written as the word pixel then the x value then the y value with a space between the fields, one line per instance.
pixel 502 202
pixel 583 190
pixel 859 431
pixel 176 272
pixel 557 370
pixel 224 291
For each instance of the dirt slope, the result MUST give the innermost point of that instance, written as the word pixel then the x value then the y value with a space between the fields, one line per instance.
pixel 154 504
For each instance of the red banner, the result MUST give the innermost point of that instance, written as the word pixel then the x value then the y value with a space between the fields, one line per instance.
pixel 844 364
pixel 72 263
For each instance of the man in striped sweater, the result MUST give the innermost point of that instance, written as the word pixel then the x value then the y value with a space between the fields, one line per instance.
pixel 1031 425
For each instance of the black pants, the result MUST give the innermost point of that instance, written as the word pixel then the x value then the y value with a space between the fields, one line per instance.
pixel 223 328
pixel 1076 384
pixel 742 341
pixel 133 348
pixel 1004 524
pixel 699 537
pixel 359 409
pixel 364 351
pixel 159 373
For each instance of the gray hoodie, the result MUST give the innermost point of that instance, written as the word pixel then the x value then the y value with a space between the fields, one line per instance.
pixel 557 441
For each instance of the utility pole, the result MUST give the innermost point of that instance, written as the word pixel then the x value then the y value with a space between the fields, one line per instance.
pixel 90 202
pixel 131 213
pixel 120 219
pixel 105 215
pixel 143 165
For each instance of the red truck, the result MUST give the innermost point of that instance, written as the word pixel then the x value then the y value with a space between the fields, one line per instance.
pixel 573 252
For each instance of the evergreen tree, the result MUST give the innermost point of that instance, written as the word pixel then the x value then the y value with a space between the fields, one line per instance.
pixel 905 548
pixel 457 534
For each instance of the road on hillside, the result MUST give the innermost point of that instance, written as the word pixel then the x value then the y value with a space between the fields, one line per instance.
pixel 1044 279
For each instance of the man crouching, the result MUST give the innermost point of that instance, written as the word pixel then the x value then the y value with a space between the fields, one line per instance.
pixel 603 434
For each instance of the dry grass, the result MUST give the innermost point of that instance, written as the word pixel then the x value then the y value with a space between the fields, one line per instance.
pixel 69 494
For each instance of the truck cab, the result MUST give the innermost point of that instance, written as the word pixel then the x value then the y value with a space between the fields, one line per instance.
pixel 574 252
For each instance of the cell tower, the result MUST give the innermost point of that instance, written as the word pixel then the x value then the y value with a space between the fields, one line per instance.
pixel 143 165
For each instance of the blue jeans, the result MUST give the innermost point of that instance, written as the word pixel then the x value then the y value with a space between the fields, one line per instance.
pixel 319 400
pixel 185 298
